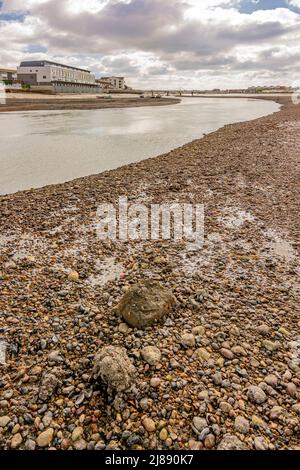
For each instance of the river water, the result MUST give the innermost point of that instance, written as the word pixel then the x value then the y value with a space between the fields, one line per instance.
pixel 45 147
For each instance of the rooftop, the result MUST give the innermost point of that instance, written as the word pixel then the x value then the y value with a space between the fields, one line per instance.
pixel 42 63
pixel 7 70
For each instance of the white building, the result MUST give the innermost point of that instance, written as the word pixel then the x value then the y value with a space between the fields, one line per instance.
pixel 113 83
pixel 61 78
pixel 8 75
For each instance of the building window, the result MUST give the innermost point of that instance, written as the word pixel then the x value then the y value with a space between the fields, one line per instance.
pixel 44 76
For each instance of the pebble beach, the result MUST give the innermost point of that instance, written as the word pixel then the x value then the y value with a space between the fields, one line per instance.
pixel 221 368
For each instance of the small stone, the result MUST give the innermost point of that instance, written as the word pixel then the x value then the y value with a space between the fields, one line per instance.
pixel 276 412
pixel 217 378
pixel 202 354
pixel 271 345
pixel 231 442
pixel 30 444
pixel 198 331
pixel 45 438
pixel 55 356
pixel 210 441
pixel 48 386
pixel 225 407
pixel 260 443
pixel 263 330
pixel 234 331
pixel 256 395
pixel 287 376
pixel 77 433
pixel 80 444
pixel 155 382
pixel 241 425
pixel 283 331
pixel 144 404
pixel 239 351
pixel 188 340
pixel 4 420
pixel 257 421
pixel 73 276
pixel 151 354
pixel 296 408
pixel 203 395
pixel 199 424
pixel 149 424
pixel 227 353
pixel 16 441
pixel 15 429
pixel 291 389
pixel 195 445
pixel 271 380
pixel 163 435
pixel 220 361
pixel 123 328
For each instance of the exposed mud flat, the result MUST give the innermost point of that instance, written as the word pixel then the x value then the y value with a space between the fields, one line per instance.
pixel 42 104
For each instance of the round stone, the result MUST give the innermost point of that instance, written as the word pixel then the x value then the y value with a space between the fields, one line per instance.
pixel 16 441
pixel 210 441
pixel 151 354
pixel 198 331
pixel 260 443
pixel 256 395
pixel 73 276
pixel 77 433
pixel 271 380
pixel 241 425
pixel 188 340
pixel 163 435
pixel 149 424
pixel 123 328
pixel 199 424
pixel 227 353
pixel 155 382
pixel 231 442
pixel 4 420
pixel 45 438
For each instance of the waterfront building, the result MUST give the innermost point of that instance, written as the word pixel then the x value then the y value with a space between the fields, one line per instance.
pixel 112 83
pixel 8 75
pixel 59 78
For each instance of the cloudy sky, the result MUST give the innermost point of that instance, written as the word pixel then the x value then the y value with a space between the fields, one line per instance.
pixel 159 43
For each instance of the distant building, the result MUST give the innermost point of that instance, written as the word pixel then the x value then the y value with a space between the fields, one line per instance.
pixel 60 78
pixel 112 83
pixel 8 75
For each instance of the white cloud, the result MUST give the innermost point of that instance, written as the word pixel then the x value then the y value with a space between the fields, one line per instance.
pixel 188 42
pixel 295 3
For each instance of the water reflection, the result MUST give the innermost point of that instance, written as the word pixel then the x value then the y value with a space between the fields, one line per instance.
pixel 44 147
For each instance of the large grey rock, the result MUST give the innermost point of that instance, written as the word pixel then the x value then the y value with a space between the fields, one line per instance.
pixel 145 303
pixel 231 442
pixel 113 368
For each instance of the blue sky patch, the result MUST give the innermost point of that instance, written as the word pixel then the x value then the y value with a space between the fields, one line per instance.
pixel 13 16
pixel 34 48
pixel 249 6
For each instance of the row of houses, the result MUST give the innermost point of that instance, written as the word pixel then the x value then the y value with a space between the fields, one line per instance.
pixel 45 75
